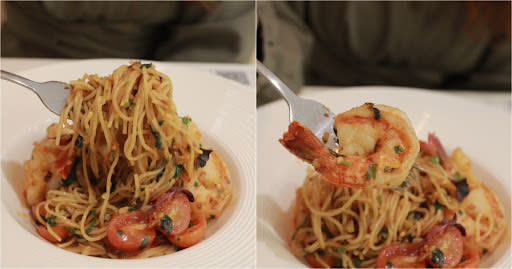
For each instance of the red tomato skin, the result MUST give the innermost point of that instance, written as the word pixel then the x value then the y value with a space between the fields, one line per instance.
pixel 313 263
pixel 192 235
pixel 165 205
pixel 403 255
pixel 134 226
pixel 59 230
pixel 450 242
pixel 472 258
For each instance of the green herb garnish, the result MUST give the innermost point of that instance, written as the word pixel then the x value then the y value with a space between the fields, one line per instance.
pixel 179 168
pixel 398 149
pixel 384 232
pixel 404 184
pixel 438 257
pixel 389 265
pixel 300 226
pixel 186 120
pixel 146 65
pixel 93 222
pixel 434 159
pixel 358 262
pixel 379 199
pixel 347 163
pixel 158 140
pixel 128 104
pixel 340 249
pixel 72 174
pixel 438 205
pixel 372 171
pixel 166 224
pixel 119 232
pixel 144 242
pixel 131 208
pixel 410 237
pixel 51 220
pixel 388 169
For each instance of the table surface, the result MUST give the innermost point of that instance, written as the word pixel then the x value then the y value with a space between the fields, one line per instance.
pixel 245 74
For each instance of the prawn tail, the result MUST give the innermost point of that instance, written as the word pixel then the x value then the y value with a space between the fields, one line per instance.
pixel 303 143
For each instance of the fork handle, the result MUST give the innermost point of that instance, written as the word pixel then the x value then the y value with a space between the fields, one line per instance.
pixel 25 82
pixel 279 85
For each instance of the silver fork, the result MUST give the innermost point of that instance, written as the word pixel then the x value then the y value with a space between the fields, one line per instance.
pixel 53 94
pixel 314 115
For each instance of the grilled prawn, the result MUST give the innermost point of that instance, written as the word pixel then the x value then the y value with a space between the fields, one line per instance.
pixel 49 164
pixel 377 146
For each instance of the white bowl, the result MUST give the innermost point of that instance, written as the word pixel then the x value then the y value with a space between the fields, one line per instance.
pixel 223 110
pixel 482 132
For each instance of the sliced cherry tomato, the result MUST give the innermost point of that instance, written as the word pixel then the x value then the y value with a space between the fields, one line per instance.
pixel 470 257
pixel 42 211
pixel 449 243
pixel 403 255
pixel 191 235
pixel 130 231
pixel 314 263
pixel 61 231
pixel 173 208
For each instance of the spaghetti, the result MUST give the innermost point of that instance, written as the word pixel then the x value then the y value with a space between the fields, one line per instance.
pixel 409 225
pixel 119 147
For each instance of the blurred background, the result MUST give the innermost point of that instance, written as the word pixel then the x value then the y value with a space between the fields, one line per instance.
pixel 206 31
pixel 461 45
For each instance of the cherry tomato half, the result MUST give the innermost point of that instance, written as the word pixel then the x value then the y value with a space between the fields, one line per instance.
pixel 191 235
pixel 130 231
pixel 61 231
pixel 449 243
pixel 399 256
pixel 171 213
pixel 314 263
pixel 471 258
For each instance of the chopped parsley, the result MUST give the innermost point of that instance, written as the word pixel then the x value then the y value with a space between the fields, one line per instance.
pixel 179 168
pixel 73 231
pixel 460 212
pixel 457 176
pixel 79 142
pixel 384 231
pixel 144 242
pixel 51 220
pixel 186 120
pixel 434 159
pixel 379 199
pixel 300 226
pixel 438 205
pixel 128 104
pixel 146 65
pixel 196 184
pixel 404 184
pixel 158 140
pixel 93 222
pixel 72 174
pixel 131 208
pixel 358 262
pixel 119 232
pixel 320 252
pixel 388 169
pixel 347 163
pixel 340 249
pixel 372 171
pixel 166 224
pixel 389 265
pixel 438 257
pixel 398 149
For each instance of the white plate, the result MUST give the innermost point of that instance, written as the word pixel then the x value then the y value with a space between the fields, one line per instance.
pixel 224 112
pixel 482 132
